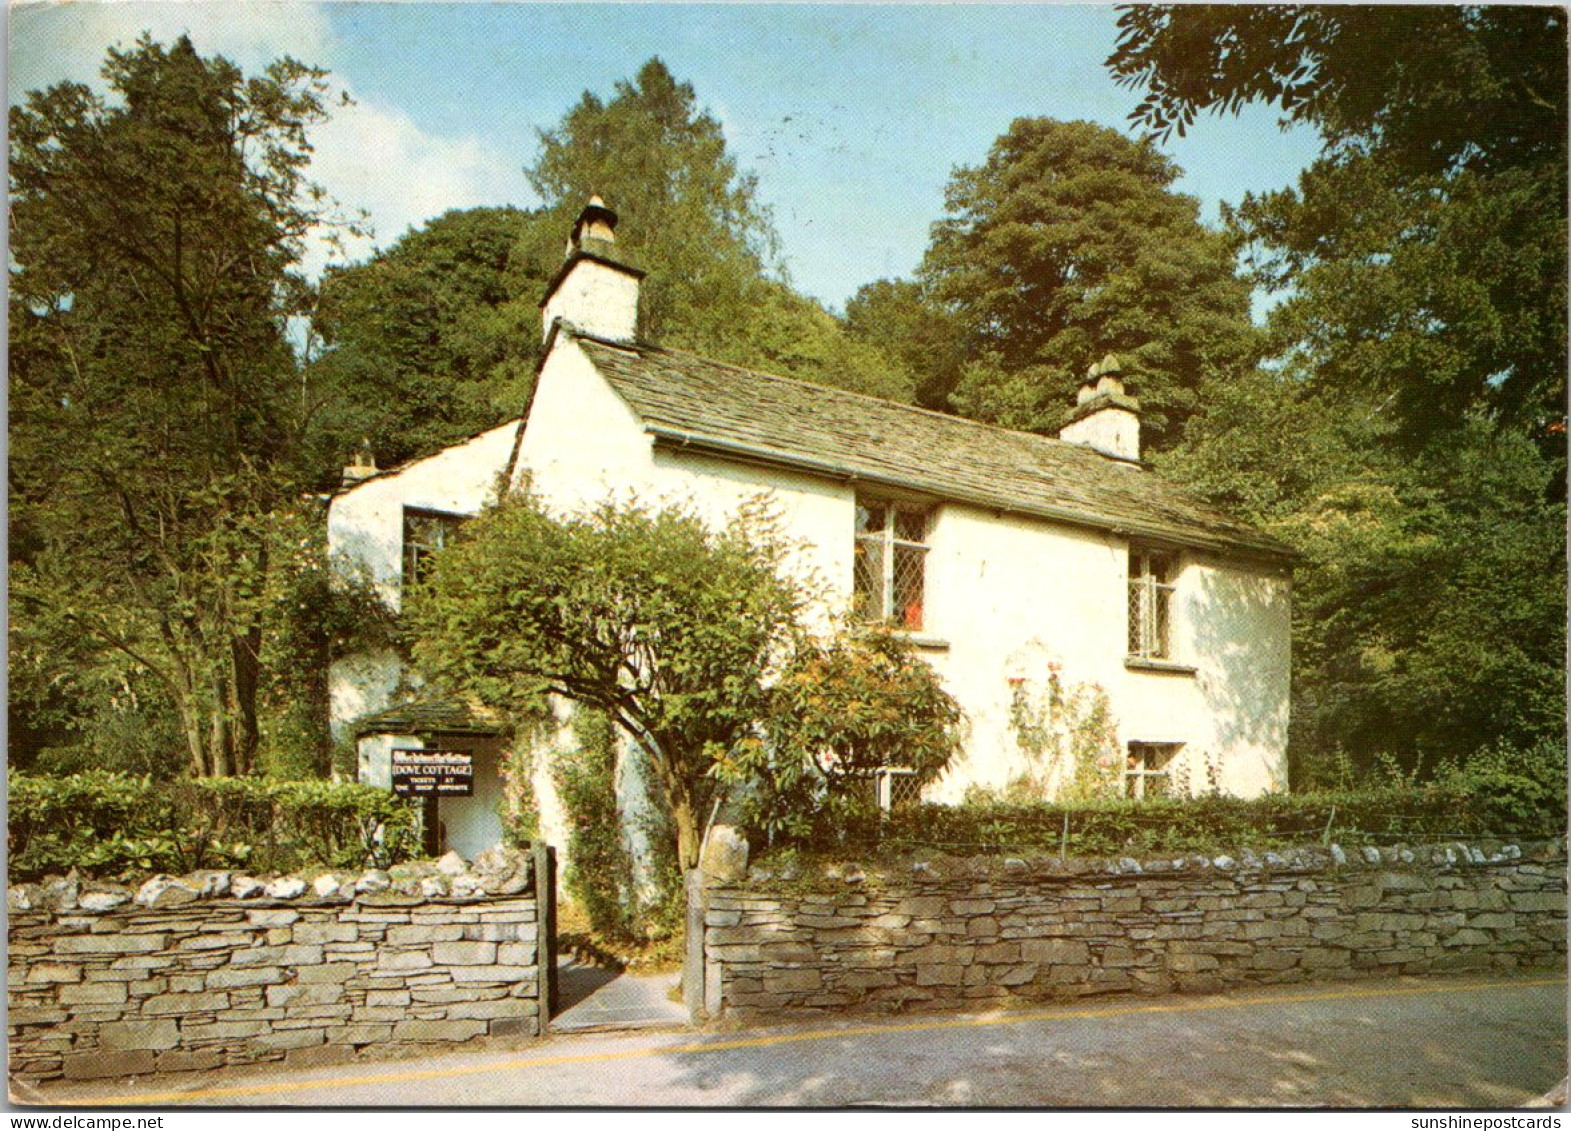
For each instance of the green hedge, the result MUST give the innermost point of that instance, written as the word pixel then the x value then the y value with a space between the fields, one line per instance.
pixel 1213 824
pixel 112 824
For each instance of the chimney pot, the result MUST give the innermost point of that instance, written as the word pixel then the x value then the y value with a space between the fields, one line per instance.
pixel 362 467
pixel 596 222
pixel 1105 417
pixel 595 291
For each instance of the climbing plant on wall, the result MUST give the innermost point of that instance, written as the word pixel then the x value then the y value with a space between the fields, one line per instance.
pixel 1069 737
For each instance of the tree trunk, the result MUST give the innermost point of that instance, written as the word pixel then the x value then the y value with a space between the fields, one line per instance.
pixel 245 674
pixel 689 837
pixel 191 725
pixel 218 762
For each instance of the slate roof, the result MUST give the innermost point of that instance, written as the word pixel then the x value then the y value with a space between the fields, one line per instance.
pixel 429 716
pixel 689 401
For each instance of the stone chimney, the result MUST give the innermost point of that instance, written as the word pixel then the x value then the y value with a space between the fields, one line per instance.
pixel 596 290
pixel 363 467
pixel 1105 417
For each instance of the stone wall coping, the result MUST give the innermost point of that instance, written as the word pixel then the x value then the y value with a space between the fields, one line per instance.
pixel 1050 868
pixel 499 873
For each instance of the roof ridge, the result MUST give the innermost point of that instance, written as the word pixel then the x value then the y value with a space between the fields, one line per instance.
pixel 404 465
pixel 949 418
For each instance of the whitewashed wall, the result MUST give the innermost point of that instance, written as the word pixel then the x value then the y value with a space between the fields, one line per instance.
pixel 365 537
pixel 365 532
pixel 365 524
pixel 1006 595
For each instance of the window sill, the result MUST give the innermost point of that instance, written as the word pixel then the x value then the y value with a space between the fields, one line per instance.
pixel 1167 667
pixel 918 640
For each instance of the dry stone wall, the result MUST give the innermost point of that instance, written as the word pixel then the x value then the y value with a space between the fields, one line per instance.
pixel 953 933
pixel 102 982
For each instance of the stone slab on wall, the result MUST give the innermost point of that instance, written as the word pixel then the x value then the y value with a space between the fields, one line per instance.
pixel 210 983
pixel 980 932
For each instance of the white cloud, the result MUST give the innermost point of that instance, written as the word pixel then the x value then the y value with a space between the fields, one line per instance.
pixel 369 156
pixel 51 43
pixel 376 158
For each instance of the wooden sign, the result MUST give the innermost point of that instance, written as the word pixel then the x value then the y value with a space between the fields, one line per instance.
pixel 433 773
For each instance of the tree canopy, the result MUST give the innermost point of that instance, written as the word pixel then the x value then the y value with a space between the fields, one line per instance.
pixel 689 213
pixel 649 616
pixel 437 336
pixel 1429 607
pixel 431 339
pixel 1424 253
pixel 155 415
pixel 1409 435
pixel 1066 244
pixel 692 217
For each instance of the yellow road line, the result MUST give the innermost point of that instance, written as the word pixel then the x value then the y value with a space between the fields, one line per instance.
pixel 768 1040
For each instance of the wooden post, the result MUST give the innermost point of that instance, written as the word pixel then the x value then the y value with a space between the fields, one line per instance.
pixel 545 925
pixel 430 828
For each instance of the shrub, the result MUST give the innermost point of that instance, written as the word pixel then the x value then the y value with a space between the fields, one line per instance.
pixel 111 824
pixel 1068 736
pixel 840 711
pixel 649 615
pixel 1211 824
pixel 1515 790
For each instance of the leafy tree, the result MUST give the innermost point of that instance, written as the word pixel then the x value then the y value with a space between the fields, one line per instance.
pixel 1431 617
pixel 1411 440
pixel 432 339
pixel 840 710
pixel 692 217
pixel 905 322
pixel 312 614
pixel 153 394
pixel 1424 253
pixel 784 332
pixel 1429 609
pixel 1066 244
pixel 648 616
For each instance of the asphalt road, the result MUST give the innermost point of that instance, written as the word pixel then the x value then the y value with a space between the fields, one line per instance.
pixel 1428 1042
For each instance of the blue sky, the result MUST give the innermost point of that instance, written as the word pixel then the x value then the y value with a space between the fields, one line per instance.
pixel 852 116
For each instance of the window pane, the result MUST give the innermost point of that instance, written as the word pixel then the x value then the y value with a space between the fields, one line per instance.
pixel 909 565
pixel 871 517
pixel 1160 598
pixel 904 791
pixel 911 524
pixel 868 580
pixel 424 534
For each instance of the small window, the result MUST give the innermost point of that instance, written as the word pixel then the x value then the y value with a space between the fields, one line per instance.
pixel 1146 769
pixel 425 533
pixel 889 576
pixel 1150 603
pixel 888 789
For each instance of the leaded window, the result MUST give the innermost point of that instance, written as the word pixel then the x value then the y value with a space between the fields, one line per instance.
pixel 1150 603
pixel 425 533
pixel 889 582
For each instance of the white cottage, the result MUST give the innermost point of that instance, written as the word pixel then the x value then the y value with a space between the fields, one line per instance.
pixel 1008 558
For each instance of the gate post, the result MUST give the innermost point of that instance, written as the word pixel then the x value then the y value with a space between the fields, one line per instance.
pixel 693 969
pixel 545 927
